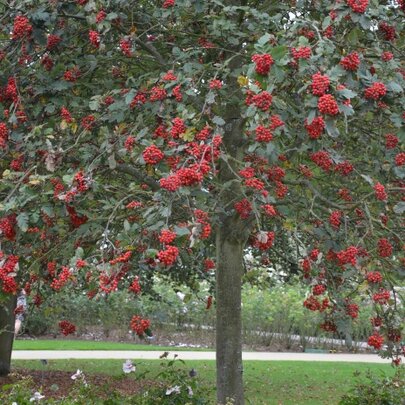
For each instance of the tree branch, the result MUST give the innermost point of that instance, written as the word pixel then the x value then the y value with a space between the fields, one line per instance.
pixel 124 168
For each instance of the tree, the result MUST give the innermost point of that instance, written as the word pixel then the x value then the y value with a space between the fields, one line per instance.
pixel 141 139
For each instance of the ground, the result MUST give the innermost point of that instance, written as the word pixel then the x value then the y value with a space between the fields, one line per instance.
pixel 55 383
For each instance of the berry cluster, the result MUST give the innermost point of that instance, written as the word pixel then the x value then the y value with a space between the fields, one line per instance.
pixel 387 56
pixel 384 248
pixel 52 41
pixel 170 183
pixel 276 122
pixel 269 210
pixel 315 128
pixel 215 84
pixel 320 84
pixel 167 237
pixel 313 304
pixel 322 159
pixel 178 127
pixel 263 63
pixel 94 38
pixel 67 328
pixel 358 6
pixel 352 310
pixel 243 208
pixel 264 240
pixel 169 76
pixel 3 135
pixel 387 30
pixel 65 115
pixel 351 61
pixel 168 3
pixel 157 93
pixel 76 219
pixel 348 256
pixel 262 100
pixel 7 227
pixel 344 168
pixel 126 47
pixel 209 264
pixel 380 192
pixel 374 277
pixel 202 219
pixel 254 183
pixel 22 27
pixel 328 105
pixel 381 297
pixel 101 15
pixel 61 281
pixel 87 122
pixel 139 325
pixel 303 52
pixel 400 159
pixel 376 341
pixel 375 91
pixel 129 143
pixel 335 219
pixel 318 289
pixel 263 134
pixel 124 258
pixel 176 93
pixel 168 256
pixel 72 75
pixel 135 287
pixel 152 155
pixel 8 273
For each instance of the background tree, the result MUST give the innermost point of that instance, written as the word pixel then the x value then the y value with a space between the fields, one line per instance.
pixel 141 139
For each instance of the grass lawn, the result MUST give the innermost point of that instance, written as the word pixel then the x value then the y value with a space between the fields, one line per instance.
pixel 266 382
pixel 90 345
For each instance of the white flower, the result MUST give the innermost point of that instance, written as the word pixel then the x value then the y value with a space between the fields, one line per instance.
pixel 175 390
pixel 128 367
pixel 37 397
pixel 78 374
pixel 190 391
pixel 14 403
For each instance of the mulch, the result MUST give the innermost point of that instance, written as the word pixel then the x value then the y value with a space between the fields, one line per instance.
pixel 57 384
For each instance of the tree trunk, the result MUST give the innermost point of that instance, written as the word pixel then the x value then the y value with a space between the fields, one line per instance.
pixel 6 333
pixel 228 319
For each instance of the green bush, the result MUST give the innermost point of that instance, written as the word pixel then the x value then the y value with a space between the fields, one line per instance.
pixel 277 310
pixel 377 390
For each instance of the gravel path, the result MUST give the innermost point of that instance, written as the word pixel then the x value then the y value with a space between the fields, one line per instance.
pixel 190 355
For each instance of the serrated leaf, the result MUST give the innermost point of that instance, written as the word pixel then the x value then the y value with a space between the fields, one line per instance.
pixel 181 230
pixel 395 87
pixel 218 120
pixel 399 208
pixel 331 128
pixel 22 221
pixel 264 39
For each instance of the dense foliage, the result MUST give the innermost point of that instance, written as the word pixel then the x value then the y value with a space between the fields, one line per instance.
pixel 132 133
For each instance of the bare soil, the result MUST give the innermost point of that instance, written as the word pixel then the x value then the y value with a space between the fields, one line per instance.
pixel 58 384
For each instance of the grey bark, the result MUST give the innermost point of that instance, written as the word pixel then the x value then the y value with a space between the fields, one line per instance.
pixel 6 333
pixel 229 320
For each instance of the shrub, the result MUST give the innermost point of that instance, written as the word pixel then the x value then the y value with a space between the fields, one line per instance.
pixel 377 390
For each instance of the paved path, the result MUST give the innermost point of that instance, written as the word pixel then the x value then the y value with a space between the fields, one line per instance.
pixel 190 355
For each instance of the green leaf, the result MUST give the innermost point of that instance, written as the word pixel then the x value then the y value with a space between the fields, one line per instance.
pixel 218 120
pixel 181 230
pixel 399 208
pixel 263 40
pixel 22 221
pixel 331 128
